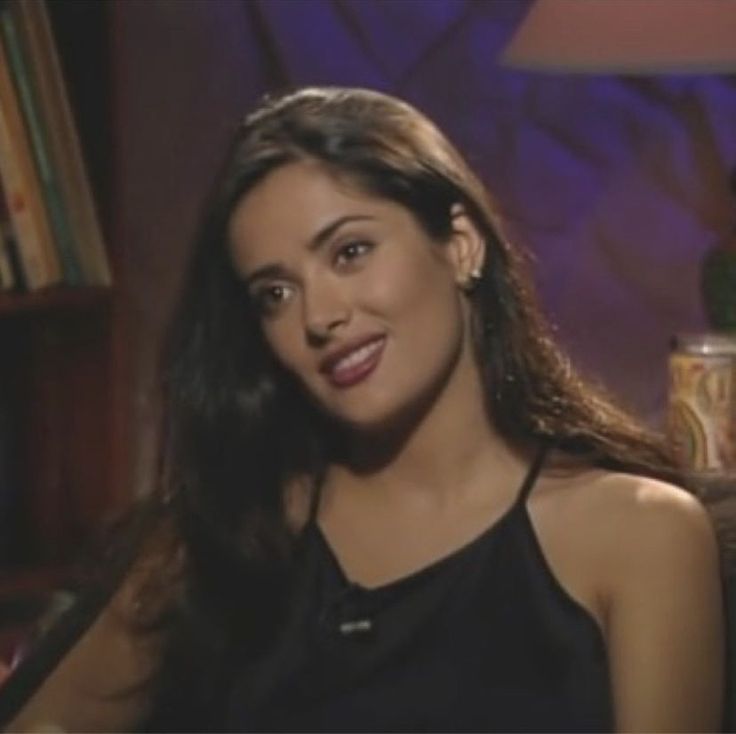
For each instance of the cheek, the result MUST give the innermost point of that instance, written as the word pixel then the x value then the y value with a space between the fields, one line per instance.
pixel 284 340
pixel 425 297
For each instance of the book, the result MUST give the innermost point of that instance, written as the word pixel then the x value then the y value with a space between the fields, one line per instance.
pixel 41 266
pixel 65 147
pixel 36 128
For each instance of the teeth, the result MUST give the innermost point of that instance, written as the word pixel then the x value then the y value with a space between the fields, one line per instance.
pixel 358 356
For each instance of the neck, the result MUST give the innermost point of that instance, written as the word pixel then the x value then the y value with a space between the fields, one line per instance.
pixel 440 451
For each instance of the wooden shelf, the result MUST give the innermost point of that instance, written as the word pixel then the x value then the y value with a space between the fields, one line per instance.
pixel 63 353
pixel 52 299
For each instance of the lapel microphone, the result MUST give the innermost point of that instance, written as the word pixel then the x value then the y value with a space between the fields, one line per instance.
pixel 345 615
pixel 356 627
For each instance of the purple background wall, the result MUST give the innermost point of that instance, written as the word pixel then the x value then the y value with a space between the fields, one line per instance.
pixel 618 185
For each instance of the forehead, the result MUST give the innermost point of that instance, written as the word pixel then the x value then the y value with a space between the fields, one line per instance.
pixel 294 202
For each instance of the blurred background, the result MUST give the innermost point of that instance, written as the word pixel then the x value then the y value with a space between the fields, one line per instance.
pixel 617 183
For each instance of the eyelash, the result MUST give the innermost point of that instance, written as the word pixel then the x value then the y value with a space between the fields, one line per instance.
pixel 364 245
pixel 260 298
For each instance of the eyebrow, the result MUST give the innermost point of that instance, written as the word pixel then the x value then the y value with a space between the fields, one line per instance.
pixel 274 270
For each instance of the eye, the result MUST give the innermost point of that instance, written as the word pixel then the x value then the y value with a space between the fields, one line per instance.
pixel 351 251
pixel 269 298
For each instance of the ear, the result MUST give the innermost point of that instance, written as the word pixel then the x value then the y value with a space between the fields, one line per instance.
pixel 466 248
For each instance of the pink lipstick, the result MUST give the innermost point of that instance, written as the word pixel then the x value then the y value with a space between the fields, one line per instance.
pixel 350 366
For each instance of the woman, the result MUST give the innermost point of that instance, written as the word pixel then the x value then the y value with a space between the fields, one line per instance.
pixel 393 504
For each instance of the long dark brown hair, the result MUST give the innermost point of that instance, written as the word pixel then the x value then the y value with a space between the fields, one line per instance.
pixel 241 429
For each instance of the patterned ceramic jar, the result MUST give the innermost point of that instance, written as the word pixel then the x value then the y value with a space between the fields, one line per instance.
pixel 701 420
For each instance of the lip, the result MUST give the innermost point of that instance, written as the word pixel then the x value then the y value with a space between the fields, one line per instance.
pixel 359 371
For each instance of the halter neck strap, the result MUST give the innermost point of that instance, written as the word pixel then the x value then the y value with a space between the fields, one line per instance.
pixel 532 474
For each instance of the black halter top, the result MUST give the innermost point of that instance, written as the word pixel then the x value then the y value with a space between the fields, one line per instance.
pixel 484 639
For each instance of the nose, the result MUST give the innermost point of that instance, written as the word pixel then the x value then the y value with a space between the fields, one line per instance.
pixel 325 309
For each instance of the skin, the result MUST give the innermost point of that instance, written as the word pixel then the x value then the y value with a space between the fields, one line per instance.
pixel 637 554
pixel 377 273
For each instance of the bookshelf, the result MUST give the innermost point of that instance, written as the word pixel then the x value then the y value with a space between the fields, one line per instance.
pixel 49 300
pixel 59 361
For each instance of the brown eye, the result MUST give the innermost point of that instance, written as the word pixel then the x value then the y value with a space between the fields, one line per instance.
pixel 268 299
pixel 351 251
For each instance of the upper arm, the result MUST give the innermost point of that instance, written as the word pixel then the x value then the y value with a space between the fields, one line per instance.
pixel 105 682
pixel 665 623
pixel 102 684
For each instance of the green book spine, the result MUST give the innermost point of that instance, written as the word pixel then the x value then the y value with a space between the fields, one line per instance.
pixel 36 130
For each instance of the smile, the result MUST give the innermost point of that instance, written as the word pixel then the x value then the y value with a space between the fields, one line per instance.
pixel 357 365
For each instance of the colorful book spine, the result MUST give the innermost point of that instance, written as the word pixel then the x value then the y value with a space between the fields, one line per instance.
pixel 24 197
pixel 36 127
pixel 65 148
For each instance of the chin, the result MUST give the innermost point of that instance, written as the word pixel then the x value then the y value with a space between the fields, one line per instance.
pixel 385 410
pixel 362 421
pixel 379 418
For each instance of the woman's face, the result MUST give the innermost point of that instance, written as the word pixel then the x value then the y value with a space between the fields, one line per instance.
pixel 355 299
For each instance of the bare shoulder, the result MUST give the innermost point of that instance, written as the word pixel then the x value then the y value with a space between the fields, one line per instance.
pixel 657 574
pixel 639 525
pixel 641 555
pixel 637 505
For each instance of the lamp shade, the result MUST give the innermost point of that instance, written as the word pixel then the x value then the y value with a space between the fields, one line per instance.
pixel 626 37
